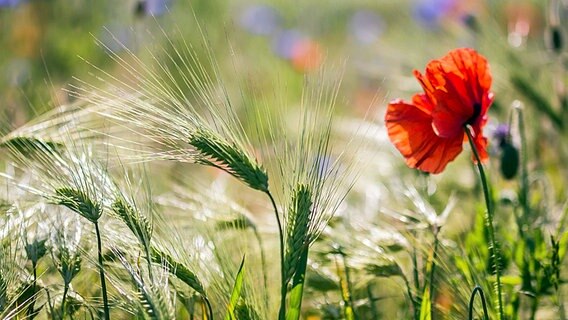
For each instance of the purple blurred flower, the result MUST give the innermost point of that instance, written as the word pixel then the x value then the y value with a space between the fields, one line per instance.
pixel 260 19
pixel 429 12
pixel 285 43
pixel 153 7
pixel 366 26
pixel 10 3
pixel 501 132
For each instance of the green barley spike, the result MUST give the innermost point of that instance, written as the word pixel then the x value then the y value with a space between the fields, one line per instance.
pixel 29 145
pixel 217 152
pixel 79 202
pixel 153 303
pixel 297 230
pixel 178 269
pixel 3 293
pixel 137 223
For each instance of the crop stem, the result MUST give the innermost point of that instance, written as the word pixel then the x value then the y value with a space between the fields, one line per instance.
pixel 102 272
pixel 283 284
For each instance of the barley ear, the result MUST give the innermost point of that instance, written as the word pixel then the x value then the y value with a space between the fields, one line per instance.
pixel 297 230
pixel 136 222
pixel 30 145
pixel 79 202
pixel 178 269
pixel 152 301
pixel 217 152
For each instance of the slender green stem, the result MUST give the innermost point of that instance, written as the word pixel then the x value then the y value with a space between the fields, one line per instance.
pixel 65 290
pixel 534 307
pixel 149 261
pixel 374 311
pixel 433 267
pixel 283 284
pixel 476 290
pixel 49 303
pixel 31 309
pixel 209 308
pixel 102 272
pixel 524 167
pixel 415 271
pixel 263 264
pixel 415 307
pixel 345 287
pixel 348 284
pixel 494 249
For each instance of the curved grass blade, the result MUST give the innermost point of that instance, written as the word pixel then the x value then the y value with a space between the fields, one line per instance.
pixel 293 313
pixel 426 306
pixel 236 293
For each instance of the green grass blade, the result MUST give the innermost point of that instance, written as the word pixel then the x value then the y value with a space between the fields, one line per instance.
pixel 293 313
pixel 426 306
pixel 236 293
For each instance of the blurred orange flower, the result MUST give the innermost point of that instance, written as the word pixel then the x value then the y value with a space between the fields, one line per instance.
pixel 429 131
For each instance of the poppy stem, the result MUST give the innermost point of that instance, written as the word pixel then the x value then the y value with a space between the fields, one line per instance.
pixel 493 248
pixel 478 290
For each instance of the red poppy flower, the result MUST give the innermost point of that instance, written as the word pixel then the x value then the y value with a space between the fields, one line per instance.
pixel 429 131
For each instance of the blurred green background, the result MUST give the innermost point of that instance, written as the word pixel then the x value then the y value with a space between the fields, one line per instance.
pixel 48 46
pixel 46 43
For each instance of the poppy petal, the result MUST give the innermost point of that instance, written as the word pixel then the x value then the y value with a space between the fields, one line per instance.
pixel 460 82
pixel 409 127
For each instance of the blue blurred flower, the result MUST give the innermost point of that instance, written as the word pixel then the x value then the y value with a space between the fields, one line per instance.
pixel 285 43
pixel 429 12
pixel 366 26
pixel 10 3
pixel 260 19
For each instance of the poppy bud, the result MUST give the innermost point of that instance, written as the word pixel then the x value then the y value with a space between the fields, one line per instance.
pixel 471 22
pixel 509 160
pixel 555 39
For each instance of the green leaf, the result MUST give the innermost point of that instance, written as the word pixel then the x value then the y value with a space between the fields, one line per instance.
pixel 30 145
pixel 384 270
pixel 320 282
pixel 511 280
pixel 298 287
pixel 236 293
pixel 563 245
pixel 426 306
